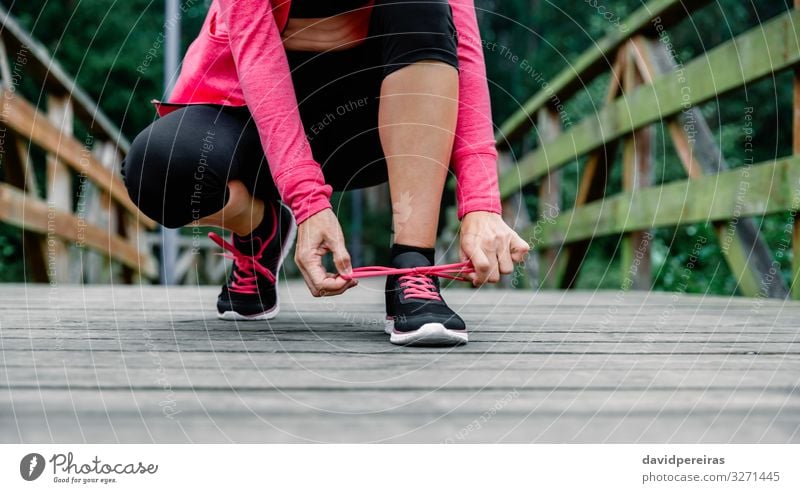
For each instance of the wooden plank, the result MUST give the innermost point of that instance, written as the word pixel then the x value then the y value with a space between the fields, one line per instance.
pixel 711 198
pixel 415 400
pixel 26 121
pixel 484 330
pixel 594 61
pixel 159 365
pixel 267 378
pixel 504 427
pixel 410 363
pixel 34 215
pixel 763 50
pixel 376 342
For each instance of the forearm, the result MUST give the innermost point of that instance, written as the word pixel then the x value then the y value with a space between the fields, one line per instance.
pixel 474 157
pixel 266 83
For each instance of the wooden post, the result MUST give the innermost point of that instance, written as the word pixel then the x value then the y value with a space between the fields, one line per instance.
pixel 99 211
pixel 549 126
pixel 515 213
pixel 636 161
pixel 59 189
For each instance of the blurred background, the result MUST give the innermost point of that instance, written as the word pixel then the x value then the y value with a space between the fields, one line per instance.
pixel 102 44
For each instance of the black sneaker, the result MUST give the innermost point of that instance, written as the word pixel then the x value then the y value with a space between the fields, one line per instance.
pixel 416 314
pixel 251 290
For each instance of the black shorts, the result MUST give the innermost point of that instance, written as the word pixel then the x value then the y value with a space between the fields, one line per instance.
pixel 338 99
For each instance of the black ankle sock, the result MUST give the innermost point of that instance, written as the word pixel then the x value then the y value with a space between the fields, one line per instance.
pixel 429 253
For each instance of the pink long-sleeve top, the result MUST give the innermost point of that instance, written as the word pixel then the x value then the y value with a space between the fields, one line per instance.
pixel 239 60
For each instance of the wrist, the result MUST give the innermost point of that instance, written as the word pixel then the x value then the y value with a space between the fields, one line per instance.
pixel 302 187
pixel 480 214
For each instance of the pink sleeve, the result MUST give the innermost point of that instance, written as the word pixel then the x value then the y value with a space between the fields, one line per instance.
pixel 474 152
pixel 266 83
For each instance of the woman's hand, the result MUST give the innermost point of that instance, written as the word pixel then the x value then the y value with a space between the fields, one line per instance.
pixel 491 245
pixel 316 236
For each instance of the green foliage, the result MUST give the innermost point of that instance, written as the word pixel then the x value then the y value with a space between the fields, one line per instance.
pixel 104 44
pixel 11 258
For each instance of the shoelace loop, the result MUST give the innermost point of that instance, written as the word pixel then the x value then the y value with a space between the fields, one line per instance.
pixel 419 287
pixel 447 271
pixel 246 268
pixel 416 282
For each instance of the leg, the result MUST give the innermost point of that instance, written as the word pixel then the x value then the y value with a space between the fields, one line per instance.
pixel 417 119
pixel 241 214
pixel 203 165
pixel 195 165
pixel 418 110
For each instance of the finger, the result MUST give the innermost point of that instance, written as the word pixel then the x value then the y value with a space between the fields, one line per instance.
pixel 469 276
pixel 304 273
pixel 493 253
pixel 482 265
pixel 335 285
pixel 504 260
pixel 341 258
pixel 519 248
pixel 315 273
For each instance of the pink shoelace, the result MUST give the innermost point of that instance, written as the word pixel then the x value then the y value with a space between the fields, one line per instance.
pixel 416 281
pixel 247 268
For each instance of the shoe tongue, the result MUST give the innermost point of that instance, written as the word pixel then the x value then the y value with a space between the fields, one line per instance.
pixel 410 259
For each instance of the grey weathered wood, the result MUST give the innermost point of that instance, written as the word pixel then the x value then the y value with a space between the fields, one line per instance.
pixel 141 363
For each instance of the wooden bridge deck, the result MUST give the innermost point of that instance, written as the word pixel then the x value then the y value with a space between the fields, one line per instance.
pixel 152 364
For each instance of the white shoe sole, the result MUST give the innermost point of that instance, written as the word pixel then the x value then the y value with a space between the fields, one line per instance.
pixel 433 334
pixel 269 314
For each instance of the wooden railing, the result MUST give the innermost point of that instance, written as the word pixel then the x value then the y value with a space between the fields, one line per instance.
pixel 79 225
pixel 646 86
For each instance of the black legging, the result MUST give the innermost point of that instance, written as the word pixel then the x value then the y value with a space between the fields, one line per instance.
pixel 178 168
